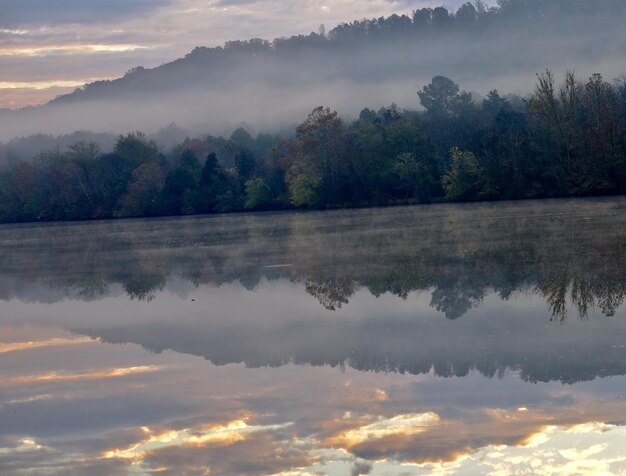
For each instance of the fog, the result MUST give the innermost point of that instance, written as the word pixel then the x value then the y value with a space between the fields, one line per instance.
pixel 370 64
pixel 491 287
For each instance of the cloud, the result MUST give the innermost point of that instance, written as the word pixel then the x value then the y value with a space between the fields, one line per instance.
pixel 96 375
pixel 381 428
pixel 40 12
pixel 227 3
pixel 68 49
pixel 361 468
pixel 19 346
pixel 235 420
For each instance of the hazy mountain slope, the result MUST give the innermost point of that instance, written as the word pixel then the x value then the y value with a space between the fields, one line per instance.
pixel 371 63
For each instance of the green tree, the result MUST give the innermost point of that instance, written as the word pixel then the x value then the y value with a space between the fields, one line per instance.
pixel 463 180
pixel 414 176
pixel 177 192
pixel 136 148
pixel 209 170
pixel 603 171
pixel 219 189
pixel 258 194
pixel 442 97
pixel 245 164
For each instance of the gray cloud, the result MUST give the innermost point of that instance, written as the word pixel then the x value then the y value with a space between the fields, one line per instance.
pixel 44 419
pixel 361 468
pixel 234 2
pixel 37 12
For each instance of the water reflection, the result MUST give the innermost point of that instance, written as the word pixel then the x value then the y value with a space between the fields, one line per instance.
pixel 565 251
pixel 118 410
pixel 426 340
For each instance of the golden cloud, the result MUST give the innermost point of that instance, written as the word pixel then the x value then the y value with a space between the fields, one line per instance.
pixel 70 49
pixel 56 342
pixel 402 425
pixel 101 374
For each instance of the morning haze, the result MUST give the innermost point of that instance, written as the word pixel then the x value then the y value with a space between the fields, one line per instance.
pixel 370 63
pixel 393 246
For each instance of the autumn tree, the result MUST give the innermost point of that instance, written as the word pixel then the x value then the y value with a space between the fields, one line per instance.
pixel 318 161
pixel 144 192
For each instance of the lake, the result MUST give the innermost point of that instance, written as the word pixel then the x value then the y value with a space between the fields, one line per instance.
pixel 444 339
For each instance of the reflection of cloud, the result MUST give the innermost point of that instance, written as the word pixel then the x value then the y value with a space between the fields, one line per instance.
pixel 34 398
pixel 226 434
pixel 202 450
pixel 25 445
pixel 427 439
pixel 8 31
pixel 260 454
pixel 58 342
pixel 590 448
pixel 361 468
pixel 65 377
pixel 401 425
pixel 233 420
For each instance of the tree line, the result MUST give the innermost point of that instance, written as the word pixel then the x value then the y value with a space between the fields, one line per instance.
pixel 565 139
pixel 420 30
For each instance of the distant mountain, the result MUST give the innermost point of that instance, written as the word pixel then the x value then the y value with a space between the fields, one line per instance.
pixel 368 62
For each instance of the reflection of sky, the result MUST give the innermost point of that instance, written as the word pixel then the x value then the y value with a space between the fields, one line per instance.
pixel 235 369
pixel 279 322
pixel 116 409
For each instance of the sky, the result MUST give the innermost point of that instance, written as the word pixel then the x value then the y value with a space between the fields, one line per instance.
pixel 49 48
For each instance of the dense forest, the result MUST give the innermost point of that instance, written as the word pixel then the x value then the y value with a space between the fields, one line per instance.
pixel 562 140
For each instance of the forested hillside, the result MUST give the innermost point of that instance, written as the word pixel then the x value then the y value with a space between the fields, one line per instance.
pixel 566 139
pixel 417 36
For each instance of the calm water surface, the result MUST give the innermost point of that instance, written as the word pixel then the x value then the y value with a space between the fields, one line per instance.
pixel 451 339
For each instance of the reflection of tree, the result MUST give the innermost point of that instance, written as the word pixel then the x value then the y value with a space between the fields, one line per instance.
pixel 610 288
pixel 392 344
pixel 94 289
pixel 332 293
pixel 453 304
pixel 144 287
pixel 583 295
pixel 459 253
pixel 599 281
pixel 612 299
pixel 555 292
pixel 456 295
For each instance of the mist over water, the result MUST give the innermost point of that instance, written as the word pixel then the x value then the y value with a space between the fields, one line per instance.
pixel 337 287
